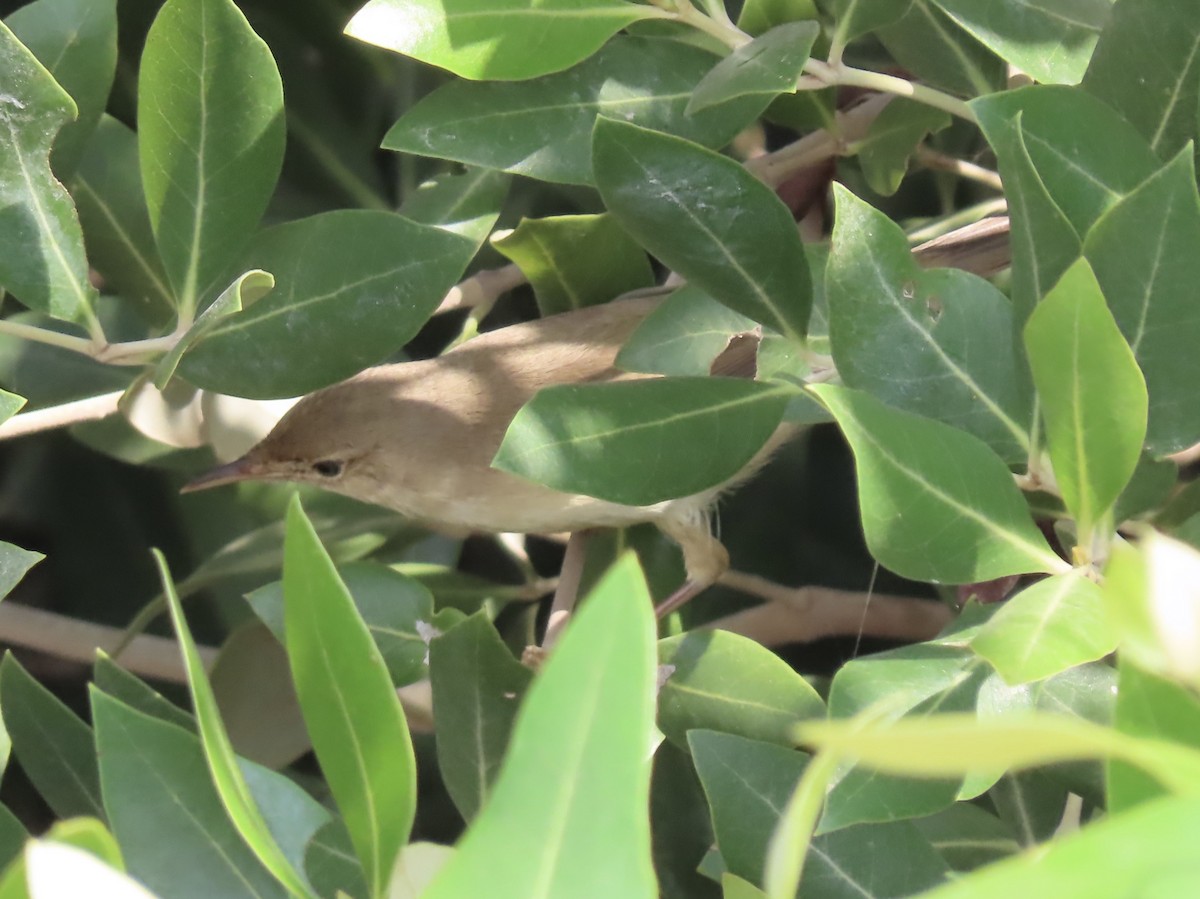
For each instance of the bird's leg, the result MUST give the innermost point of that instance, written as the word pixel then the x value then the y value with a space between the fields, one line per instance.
pixel 566 594
pixel 704 557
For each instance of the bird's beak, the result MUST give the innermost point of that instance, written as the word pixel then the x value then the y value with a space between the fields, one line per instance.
pixel 242 469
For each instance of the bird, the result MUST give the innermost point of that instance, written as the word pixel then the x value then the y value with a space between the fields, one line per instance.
pixel 419 437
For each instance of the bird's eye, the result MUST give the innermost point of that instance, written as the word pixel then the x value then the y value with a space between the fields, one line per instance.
pixel 328 468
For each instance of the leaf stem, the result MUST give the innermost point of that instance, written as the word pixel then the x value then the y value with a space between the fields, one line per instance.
pixel 839 74
pixel 92 408
pixel 931 158
pixel 82 345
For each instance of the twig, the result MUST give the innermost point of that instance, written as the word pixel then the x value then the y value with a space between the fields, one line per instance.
pixel 850 126
pixel 91 409
pixel 804 614
pixel 932 159
pixel 982 248
pixel 71 638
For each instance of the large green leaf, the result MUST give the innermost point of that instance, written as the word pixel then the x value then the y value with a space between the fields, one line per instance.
pixel 724 682
pixel 936 343
pixel 1142 251
pixel 1086 154
pixel 621 441
pixel 1160 40
pixel 937 504
pixel 707 218
pixel 1146 852
pixel 574 261
pixel 157 792
pixel 76 40
pixel 769 65
pixel 477 689
pixel 116 226
pixel 1093 396
pixel 568 812
pixel 1054 625
pixel 112 679
pixel 683 335
pixel 495 40
pixel 1044 242
pixel 210 139
pixel 466 203
pixel 542 128
pixel 53 745
pixel 374 282
pixel 355 720
pixel 232 785
pixel 928 43
pixel 42 261
pixel 1052 40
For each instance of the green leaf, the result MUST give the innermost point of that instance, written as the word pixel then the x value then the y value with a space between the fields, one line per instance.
pixel 14 562
pixel 210 139
pixel 331 865
pixel 42 261
pixel 707 218
pixel 325 320
pixel 116 225
pixel 1093 396
pixel 1052 41
pixel 1148 706
pixel 115 681
pixel 615 441
pixel 574 261
pixel 1043 240
pixel 477 689
pixel 12 839
pixel 1054 625
pixel 1148 851
pixel 76 40
pixel 936 343
pixel 158 792
pixel 495 40
pixel 1161 42
pixel 747 783
pixel 937 504
pixel 350 706
pixel 232 786
pixel 467 204
pixel 967 836
pixel 683 335
pixel 246 288
pixel 568 813
pixel 857 17
pixel 769 65
pixel 542 129
pixel 1086 154
pixel 1141 252
pixel 759 15
pixel 950 744
pixel 10 405
pixel 928 43
pixel 733 887
pixel 397 610
pixel 724 682
pixel 871 860
pixel 892 140
pixel 54 747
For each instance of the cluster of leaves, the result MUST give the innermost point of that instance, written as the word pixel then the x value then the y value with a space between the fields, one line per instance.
pixel 993 423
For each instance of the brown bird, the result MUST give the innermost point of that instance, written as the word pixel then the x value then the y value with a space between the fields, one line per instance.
pixel 419 437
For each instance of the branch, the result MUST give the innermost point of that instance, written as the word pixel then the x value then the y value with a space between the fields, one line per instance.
pixel 91 409
pixel 804 614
